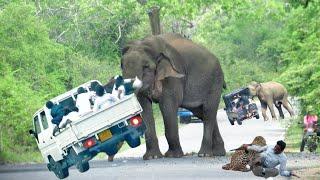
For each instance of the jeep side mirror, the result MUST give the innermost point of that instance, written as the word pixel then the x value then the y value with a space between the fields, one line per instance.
pixel 31 132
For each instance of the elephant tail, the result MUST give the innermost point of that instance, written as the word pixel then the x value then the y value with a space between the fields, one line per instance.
pixel 224 85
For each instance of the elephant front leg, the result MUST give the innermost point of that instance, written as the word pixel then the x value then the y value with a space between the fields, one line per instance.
pixel 273 115
pixel 169 102
pixel 169 109
pixel 264 111
pixel 152 146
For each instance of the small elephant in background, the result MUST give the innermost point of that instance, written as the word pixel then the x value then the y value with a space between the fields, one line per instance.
pixel 270 93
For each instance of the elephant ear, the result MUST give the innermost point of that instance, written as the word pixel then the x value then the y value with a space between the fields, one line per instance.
pixel 166 69
pixel 168 62
pixel 129 45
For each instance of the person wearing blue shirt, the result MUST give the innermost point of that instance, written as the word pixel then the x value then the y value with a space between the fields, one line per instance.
pixel 57 112
pixel 264 164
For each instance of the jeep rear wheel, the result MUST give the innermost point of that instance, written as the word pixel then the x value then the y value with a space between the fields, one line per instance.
pixel 83 167
pixel 56 167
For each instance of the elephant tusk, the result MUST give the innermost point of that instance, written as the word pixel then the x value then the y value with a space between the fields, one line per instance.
pixel 137 84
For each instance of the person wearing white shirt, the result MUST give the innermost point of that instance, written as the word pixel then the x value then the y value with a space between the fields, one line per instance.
pixel 123 87
pixel 83 101
pixel 264 165
pixel 70 116
pixel 103 100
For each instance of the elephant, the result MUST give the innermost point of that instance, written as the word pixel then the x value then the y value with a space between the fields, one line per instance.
pixel 175 72
pixel 270 93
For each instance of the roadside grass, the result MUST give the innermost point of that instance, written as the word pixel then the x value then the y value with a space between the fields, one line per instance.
pixel 31 156
pixel 294 134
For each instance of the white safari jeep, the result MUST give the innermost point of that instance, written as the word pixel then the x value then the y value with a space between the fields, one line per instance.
pixel 95 132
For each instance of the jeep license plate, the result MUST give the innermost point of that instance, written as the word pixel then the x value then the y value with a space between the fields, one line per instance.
pixel 105 135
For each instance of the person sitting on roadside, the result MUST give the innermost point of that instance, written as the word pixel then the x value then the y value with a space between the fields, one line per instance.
pixel 83 101
pixel 264 164
pixel 309 120
pixel 103 100
pixel 70 115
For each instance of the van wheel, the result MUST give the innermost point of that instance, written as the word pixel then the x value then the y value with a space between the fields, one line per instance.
pixel 56 167
pixel 83 167
pixel 239 121
pixel 257 116
pixel 231 121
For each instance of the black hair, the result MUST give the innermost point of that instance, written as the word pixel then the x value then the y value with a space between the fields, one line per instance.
pixel 81 90
pixel 49 104
pixel 119 82
pixel 282 144
pixel 99 90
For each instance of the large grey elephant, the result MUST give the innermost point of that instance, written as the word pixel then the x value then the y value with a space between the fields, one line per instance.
pixel 176 73
pixel 270 93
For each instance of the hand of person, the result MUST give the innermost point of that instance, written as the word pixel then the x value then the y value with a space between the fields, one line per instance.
pixel 294 174
pixel 245 146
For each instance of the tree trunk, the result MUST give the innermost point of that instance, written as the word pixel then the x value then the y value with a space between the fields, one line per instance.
pixel 38 6
pixel 154 17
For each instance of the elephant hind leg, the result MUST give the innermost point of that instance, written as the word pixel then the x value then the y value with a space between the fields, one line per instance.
pixel 278 106
pixel 288 108
pixel 212 142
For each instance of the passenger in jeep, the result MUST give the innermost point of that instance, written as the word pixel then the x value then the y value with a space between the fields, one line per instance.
pixel 103 100
pixel 83 101
pixel 57 112
pixel 70 115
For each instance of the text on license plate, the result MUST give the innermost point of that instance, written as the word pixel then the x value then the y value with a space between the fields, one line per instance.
pixel 105 135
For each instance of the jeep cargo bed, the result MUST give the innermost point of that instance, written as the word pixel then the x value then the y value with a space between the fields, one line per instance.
pixel 95 122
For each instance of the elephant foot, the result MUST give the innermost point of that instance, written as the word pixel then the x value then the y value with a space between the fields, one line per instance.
pixel 152 154
pixel 219 151
pixel 205 152
pixel 214 150
pixel 174 153
pixel 110 158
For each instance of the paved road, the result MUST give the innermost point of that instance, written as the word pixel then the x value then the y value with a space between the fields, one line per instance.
pixel 129 164
pixel 233 136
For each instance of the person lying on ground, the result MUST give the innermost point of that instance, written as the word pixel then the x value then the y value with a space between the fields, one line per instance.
pixel 264 164
pixel 241 157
